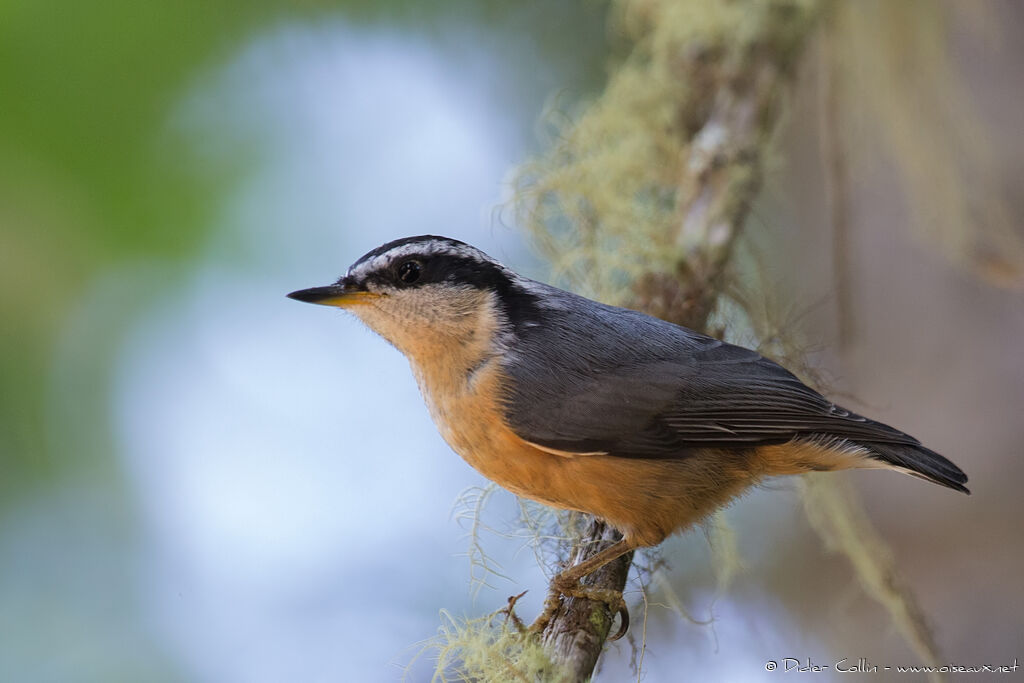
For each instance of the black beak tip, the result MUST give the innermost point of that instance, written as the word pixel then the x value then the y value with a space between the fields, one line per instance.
pixel 312 295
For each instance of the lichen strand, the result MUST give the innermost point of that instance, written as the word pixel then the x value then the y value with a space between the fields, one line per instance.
pixel 641 199
pixel 657 172
pixel 488 649
pixel 904 101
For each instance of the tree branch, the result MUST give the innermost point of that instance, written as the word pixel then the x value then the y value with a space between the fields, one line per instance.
pixel 724 126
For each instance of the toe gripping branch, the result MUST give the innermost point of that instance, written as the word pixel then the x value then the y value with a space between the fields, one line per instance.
pixel 568 584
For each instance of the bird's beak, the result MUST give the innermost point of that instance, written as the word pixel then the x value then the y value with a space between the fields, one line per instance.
pixel 340 295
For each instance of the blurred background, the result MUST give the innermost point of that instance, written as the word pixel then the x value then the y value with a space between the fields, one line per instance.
pixel 203 481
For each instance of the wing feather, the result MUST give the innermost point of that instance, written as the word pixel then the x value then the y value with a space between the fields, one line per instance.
pixel 609 380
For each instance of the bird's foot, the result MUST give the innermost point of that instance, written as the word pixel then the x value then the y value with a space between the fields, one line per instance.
pixel 572 588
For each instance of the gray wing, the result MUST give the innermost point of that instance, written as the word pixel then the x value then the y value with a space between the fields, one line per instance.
pixel 603 379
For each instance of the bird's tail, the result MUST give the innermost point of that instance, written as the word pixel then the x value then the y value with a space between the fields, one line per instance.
pixel 919 461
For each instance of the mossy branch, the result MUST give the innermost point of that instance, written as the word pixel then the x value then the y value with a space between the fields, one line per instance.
pixel 694 105
pixel 640 202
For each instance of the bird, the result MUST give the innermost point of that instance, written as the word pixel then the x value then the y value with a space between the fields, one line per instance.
pixel 584 406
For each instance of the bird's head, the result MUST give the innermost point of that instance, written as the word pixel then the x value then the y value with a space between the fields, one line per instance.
pixel 425 294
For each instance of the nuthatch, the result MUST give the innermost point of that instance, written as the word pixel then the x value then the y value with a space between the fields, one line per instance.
pixel 604 410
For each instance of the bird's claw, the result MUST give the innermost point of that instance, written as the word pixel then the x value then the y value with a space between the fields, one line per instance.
pixel 612 598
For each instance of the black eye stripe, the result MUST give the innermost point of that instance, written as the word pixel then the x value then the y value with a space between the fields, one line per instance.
pixel 430 268
pixel 459 267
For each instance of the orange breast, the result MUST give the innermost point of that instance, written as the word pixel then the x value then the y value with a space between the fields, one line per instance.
pixel 646 499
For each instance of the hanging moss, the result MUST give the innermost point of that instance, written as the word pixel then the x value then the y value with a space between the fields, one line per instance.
pixel 639 201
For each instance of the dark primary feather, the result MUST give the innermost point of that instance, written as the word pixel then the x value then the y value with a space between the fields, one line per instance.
pixel 600 378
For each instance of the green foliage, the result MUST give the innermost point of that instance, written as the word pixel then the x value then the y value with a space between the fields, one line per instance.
pixel 90 177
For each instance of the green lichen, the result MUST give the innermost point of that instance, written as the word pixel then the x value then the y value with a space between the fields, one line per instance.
pixel 605 205
pixel 488 648
pixel 598 621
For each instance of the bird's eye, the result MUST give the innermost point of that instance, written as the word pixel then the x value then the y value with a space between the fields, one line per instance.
pixel 409 272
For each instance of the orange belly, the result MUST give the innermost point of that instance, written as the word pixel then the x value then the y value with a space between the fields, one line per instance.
pixel 646 499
